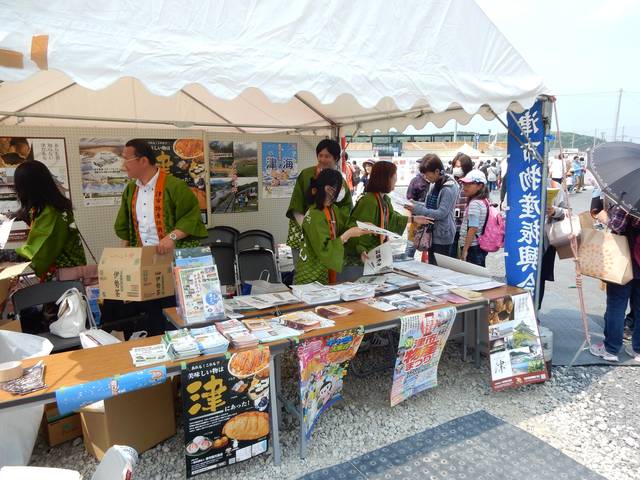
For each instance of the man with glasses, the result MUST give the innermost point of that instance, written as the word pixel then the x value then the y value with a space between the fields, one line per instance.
pixel 158 210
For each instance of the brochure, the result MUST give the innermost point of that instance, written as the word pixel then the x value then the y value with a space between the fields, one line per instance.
pixel 333 311
pixel 378 231
pixel 378 258
pixel 149 355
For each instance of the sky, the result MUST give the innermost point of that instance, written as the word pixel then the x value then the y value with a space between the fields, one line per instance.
pixel 585 50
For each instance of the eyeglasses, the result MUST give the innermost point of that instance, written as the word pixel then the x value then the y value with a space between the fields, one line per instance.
pixel 127 160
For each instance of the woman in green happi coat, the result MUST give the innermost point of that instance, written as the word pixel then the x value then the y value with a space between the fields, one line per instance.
pixel 328 154
pixel 324 232
pixel 53 240
pixel 373 207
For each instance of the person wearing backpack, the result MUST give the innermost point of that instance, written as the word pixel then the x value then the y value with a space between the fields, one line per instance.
pixel 439 206
pixel 475 217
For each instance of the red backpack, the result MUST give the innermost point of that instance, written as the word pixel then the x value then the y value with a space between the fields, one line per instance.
pixel 492 237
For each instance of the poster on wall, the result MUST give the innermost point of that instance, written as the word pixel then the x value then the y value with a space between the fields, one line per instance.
pixel 279 169
pixel 16 150
pixel 422 339
pixel 323 365
pixel 103 180
pixel 225 410
pixel 233 168
pixel 515 349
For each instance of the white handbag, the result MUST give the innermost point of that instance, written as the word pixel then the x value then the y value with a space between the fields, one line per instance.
pixel 560 232
pixel 72 315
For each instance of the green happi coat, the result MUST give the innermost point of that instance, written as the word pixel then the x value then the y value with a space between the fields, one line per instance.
pixel 319 252
pixel 368 210
pixel 53 242
pixel 299 203
pixel 180 210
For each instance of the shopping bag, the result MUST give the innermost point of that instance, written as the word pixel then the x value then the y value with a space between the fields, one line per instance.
pixel 559 233
pixel 422 238
pixel 72 315
pixel 603 254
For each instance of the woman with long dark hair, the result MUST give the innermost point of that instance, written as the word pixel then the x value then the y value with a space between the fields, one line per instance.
pixel 53 240
pixel 373 207
pixel 324 231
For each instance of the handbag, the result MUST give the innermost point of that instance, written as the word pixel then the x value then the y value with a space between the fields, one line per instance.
pixel 422 238
pixel 72 315
pixel 559 234
pixel 87 274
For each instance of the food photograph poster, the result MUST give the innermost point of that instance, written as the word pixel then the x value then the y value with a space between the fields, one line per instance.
pixel 103 179
pixel 323 365
pixel 225 410
pixel 422 339
pixel 233 168
pixel 279 169
pixel 16 150
pixel 515 349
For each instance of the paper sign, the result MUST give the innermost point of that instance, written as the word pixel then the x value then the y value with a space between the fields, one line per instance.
pixel 422 339
pixel 378 231
pixel 5 230
pixel 552 193
pixel 379 258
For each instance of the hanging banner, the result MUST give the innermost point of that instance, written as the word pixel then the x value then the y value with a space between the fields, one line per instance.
pixel 422 339
pixel 279 169
pixel 225 410
pixel 323 364
pixel 524 187
pixel 515 349
pixel 16 150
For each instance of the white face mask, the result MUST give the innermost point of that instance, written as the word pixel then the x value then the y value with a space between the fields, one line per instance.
pixel 341 195
pixel 457 172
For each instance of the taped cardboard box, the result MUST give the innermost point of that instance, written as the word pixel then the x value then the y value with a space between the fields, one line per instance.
pixel 140 419
pixel 135 274
pixel 60 428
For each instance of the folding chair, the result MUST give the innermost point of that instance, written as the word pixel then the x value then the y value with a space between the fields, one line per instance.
pixel 221 234
pixel 257 264
pixel 47 292
pixel 225 257
pixel 256 239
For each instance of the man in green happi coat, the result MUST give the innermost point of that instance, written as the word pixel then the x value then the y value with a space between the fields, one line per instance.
pixel 327 154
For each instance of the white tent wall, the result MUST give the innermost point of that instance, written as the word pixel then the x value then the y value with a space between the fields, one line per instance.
pixel 96 223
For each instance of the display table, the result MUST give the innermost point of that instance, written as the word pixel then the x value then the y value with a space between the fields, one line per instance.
pixel 81 366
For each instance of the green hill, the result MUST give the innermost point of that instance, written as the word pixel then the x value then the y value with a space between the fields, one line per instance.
pixel 569 140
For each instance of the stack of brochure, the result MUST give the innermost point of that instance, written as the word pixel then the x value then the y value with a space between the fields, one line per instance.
pixel 271 330
pixel 149 355
pixel 180 344
pixel 266 300
pixel 314 293
pixel 355 291
pixel 209 340
pixel 305 321
pixel 237 333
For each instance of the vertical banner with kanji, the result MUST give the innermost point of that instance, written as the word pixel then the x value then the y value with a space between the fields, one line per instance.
pixel 422 339
pixel 225 410
pixel 524 196
pixel 323 364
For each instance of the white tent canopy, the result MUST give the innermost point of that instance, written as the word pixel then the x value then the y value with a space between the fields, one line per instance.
pixel 470 151
pixel 259 66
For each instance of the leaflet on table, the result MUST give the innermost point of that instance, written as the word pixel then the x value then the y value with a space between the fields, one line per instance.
pixel 275 332
pixel 70 399
pixel 422 339
pixel 209 340
pixel 314 293
pixel 149 355
pixel 323 365
pixel 267 300
pixel 180 344
pixel 378 258
pixel 378 231
pixel 355 291
pixel 378 304
pixel 406 301
pixel 515 349
pixel 225 405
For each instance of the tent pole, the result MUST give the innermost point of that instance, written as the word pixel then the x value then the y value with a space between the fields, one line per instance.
pixel 316 111
pixel 209 109
pixel 41 99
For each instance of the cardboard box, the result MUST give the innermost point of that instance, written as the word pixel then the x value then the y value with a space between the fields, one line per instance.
pixel 139 419
pixel 7 272
pixel 12 326
pixel 135 274
pixel 60 428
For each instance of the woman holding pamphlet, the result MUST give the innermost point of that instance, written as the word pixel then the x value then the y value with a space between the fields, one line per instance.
pixel 373 207
pixel 53 240
pixel 324 231
pixel 439 206
pixel 327 154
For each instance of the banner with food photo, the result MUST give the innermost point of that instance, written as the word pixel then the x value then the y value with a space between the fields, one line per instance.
pixel 422 339
pixel 225 404
pixel 233 168
pixel 515 349
pixel 103 179
pixel 323 364
pixel 16 150
pixel 279 169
